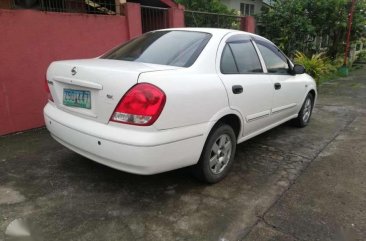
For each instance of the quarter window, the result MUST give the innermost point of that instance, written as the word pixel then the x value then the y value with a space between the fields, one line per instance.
pixel 228 65
pixel 275 61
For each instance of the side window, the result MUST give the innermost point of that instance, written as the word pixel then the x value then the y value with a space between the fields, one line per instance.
pixel 246 57
pixel 240 57
pixel 275 61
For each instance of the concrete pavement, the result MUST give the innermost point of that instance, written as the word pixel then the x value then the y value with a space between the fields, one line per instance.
pixel 287 184
pixel 328 200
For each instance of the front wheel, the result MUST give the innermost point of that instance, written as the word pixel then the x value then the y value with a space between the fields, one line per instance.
pixel 304 115
pixel 217 155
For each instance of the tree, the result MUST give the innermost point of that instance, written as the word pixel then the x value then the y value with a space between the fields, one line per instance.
pixel 287 24
pixel 294 24
pixel 212 6
pixel 219 16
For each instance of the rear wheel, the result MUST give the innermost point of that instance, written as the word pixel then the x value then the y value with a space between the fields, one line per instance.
pixel 217 155
pixel 303 118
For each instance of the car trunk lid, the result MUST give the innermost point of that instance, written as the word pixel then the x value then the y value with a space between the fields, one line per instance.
pixel 92 88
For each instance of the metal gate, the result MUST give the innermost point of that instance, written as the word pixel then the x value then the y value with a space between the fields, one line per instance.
pixel 211 20
pixel 154 18
pixel 107 7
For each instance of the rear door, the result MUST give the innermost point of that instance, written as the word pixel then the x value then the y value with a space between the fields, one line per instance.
pixel 249 89
pixel 288 88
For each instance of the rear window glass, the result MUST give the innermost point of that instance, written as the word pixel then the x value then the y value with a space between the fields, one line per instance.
pixel 175 48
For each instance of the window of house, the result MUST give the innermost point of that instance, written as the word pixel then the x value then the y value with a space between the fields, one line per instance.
pixel 247 9
pixel 240 57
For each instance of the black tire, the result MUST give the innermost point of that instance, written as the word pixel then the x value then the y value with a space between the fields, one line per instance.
pixel 203 170
pixel 304 115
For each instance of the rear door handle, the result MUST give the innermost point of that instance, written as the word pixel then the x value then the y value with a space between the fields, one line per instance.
pixel 277 86
pixel 237 89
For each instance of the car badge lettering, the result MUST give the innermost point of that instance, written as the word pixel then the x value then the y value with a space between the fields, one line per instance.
pixel 73 71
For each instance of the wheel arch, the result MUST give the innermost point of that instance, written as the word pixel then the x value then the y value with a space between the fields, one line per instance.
pixel 231 118
pixel 314 93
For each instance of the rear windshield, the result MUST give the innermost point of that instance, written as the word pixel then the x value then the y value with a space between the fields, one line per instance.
pixel 175 48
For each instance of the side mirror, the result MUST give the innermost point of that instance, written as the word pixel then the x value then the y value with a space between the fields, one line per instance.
pixel 298 69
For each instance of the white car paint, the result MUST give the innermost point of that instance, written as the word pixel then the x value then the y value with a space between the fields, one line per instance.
pixel 196 98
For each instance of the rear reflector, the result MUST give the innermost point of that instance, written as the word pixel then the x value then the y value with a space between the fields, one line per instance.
pixel 141 105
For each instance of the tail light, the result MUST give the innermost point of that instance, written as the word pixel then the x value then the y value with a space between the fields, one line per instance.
pixel 141 105
pixel 47 88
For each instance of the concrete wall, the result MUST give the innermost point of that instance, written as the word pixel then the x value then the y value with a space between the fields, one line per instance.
pixel 235 4
pixel 30 41
pixel 247 24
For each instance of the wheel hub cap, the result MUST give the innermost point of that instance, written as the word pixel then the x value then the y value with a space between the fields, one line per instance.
pixel 220 154
pixel 307 110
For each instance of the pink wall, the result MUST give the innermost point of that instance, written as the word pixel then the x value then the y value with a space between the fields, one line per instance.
pixel 248 24
pixel 30 41
pixel 133 14
pixel 176 17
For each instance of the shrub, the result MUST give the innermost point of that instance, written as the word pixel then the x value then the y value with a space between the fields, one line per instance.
pixel 361 57
pixel 338 61
pixel 317 66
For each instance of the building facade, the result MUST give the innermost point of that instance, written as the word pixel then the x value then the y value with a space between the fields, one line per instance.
pixel 248 7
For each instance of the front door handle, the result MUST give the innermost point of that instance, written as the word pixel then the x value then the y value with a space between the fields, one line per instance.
pixel 237 89
pixel 277 86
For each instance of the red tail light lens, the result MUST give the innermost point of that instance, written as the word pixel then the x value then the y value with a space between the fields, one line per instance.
pixel 47 88
pixel 141 105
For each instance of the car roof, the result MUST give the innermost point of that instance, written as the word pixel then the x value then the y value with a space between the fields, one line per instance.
pixel 208 30
pixel 214 31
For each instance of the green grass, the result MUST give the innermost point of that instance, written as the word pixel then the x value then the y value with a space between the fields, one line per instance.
pixel 329 77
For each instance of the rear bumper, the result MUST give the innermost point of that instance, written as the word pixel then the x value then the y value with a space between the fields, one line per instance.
pixel 130 150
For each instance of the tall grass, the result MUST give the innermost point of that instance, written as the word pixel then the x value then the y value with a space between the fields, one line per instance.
pixel 317 65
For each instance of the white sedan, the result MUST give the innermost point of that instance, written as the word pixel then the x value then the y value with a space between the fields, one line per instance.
pixel 174 98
